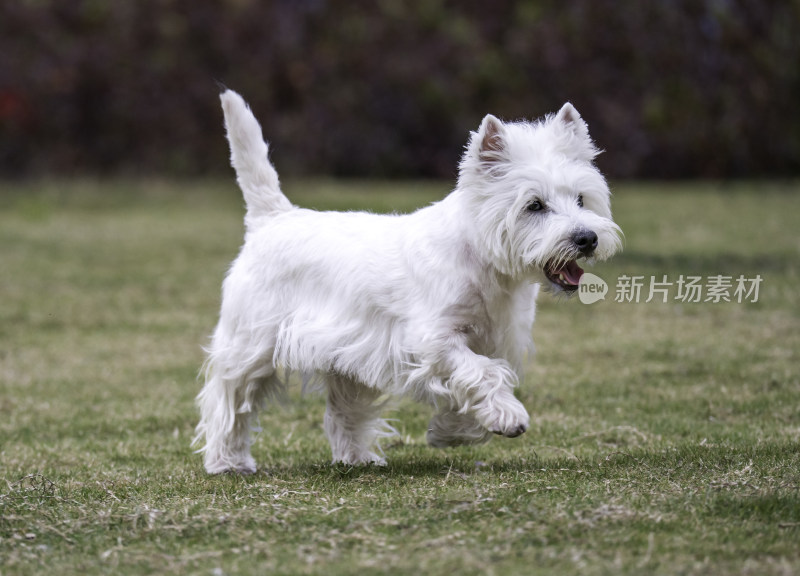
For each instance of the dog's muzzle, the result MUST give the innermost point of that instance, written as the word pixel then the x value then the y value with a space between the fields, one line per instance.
pixel 567 275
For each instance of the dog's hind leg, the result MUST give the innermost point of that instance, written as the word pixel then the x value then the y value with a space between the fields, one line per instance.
pixel 228 406
pixel 353 423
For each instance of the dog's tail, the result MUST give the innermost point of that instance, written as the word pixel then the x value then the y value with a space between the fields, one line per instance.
pixel 255 174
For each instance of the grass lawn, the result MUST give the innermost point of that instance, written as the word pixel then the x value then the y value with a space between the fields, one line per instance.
pixel 665 437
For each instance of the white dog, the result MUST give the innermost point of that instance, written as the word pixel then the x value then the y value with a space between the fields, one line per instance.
pixel 438 304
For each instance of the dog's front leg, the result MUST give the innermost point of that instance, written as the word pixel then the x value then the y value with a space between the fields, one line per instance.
pixel 482 387
pixel 486 387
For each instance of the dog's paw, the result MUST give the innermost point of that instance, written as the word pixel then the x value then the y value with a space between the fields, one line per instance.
pixel 368 459
pixel 243 465
pixel 240 469
pixel 519 430
pixel 510 427
pixel 503 414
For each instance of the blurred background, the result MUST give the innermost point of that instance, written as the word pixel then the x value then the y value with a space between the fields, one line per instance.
pixel 391 88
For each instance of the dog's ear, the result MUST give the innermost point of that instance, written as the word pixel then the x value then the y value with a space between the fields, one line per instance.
pixel 577 142
pixel 569 117
pixel 492 136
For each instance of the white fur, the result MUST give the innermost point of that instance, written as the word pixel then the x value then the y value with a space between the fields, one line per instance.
pixel 438 304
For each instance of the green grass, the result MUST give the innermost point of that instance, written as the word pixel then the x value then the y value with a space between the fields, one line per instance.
pixel 665 438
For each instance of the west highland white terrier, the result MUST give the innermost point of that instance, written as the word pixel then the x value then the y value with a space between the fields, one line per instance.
pixel 437 305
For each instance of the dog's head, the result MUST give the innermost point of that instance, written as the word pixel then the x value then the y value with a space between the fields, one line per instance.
pixel 538 202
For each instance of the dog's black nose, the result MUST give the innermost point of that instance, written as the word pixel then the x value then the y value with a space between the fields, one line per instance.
pixel 585 240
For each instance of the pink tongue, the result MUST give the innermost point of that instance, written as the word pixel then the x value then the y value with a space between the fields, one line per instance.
pixel 572 272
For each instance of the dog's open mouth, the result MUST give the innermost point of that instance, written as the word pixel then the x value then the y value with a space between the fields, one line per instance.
pixel 566 276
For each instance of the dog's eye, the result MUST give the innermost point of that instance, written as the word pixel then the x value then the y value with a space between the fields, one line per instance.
pixel 536 206
pixel 580 200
